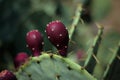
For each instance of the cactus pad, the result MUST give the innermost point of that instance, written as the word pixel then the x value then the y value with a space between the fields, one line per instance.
pixel 52 67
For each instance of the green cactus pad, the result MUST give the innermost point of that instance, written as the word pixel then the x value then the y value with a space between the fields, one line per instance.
pixel 52 67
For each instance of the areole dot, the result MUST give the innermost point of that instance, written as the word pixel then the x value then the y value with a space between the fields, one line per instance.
pixel 57 45
pixel 42 43
pixel 48 37
pixel 66 28
pixel 52 30
pixel 47 25
pixel 27 34
pixel 60 35
pixel 57 21
pixel 27 46
pixel 33 49
pixel 45 30
pixel 34 36
pixel 36 30
pixel 65 46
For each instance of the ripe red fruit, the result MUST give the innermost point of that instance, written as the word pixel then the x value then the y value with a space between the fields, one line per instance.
pixel 20 59
pixel 35 42
pixel 80 55
pixel 7 75
pixel 58 35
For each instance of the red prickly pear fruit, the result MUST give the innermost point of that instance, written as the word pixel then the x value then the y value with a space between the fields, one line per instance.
pixel 58 35
pixel 7 75
pixel 35 42
pixel 80 55
pixel 20 59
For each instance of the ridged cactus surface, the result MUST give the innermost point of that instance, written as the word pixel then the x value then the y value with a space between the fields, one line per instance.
pixel 52 67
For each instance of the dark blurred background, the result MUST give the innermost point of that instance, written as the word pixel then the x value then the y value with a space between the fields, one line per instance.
pixel 17 17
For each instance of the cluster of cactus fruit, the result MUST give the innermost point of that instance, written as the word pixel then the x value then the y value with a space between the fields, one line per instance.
pixel 46 66
pixel 50 66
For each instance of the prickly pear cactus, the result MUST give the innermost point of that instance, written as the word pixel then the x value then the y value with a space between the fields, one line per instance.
pixel 97 59
pixel 52 67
